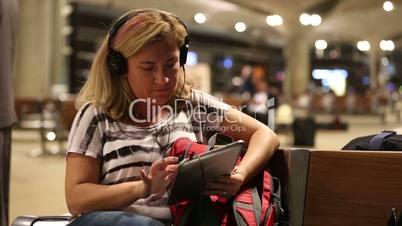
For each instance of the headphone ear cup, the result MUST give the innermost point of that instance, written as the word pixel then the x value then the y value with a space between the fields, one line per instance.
pixel 117 63
pixel 184 51
pixel 183 55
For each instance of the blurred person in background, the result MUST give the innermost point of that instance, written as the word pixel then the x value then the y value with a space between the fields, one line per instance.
pixel 8 28
pixel 328 101
pixel 117 171
pixel 384 99
pixel 247 88
pixel 351 101
pixel 304 100
pixel 258 104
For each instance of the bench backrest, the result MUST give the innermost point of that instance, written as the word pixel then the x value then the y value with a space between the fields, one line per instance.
pixel 352 187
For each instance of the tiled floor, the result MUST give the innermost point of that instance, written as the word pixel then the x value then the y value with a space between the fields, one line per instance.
pixel 37 184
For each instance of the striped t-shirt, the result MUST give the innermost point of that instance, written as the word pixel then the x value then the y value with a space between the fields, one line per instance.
pixel 124 149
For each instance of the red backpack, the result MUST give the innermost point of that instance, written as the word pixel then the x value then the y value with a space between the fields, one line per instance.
pixel 256 204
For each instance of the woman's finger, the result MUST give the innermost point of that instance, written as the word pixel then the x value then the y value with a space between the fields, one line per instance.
pixel 170 177
pixel 144 177
pixel 170 160
pixel 172 168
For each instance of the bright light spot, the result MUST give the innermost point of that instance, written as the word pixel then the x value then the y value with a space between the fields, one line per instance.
pixel 335 79
pixel 384 61
pixel 383 45
pixel 325 82
pixel 192 58
pixel 304 19
pixel 391 45
pixel 51 136
pixel 200 18
pixel 321 44
pixel 237 81
pixel 363 45
pixel 227 63
pixel 240 26
pixel 388 6
pixel 274 20
pixel 66 10
pixel 315 20
pixel 387 45
pixel 328 73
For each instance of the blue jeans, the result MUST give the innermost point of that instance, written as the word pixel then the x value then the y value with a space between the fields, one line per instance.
pixel 114 218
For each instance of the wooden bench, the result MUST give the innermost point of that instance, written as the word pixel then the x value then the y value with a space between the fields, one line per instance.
pixel 339 187
pixel 326 187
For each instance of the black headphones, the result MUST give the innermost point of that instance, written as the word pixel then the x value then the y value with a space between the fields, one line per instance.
pixel 118 63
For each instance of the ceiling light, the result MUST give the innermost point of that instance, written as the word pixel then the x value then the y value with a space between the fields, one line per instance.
pixel 304 19
pixel 200 18
pixel 321 44
pixel 388 6
pixel 391 45
pixel 384 45
pixel 387 45
pixel 315 20
pixel 274 20
pixel 363 45
pixel 240 26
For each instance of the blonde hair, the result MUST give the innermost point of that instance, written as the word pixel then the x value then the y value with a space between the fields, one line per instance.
pixel 101 87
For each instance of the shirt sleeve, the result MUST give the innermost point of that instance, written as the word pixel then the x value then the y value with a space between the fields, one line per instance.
pixel 207 114
pixel 85 136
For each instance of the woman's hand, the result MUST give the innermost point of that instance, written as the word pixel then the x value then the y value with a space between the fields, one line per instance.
pixel 227 185
pixel 161 174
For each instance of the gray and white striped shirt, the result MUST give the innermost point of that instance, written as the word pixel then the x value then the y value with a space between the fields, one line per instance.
pixel 124 149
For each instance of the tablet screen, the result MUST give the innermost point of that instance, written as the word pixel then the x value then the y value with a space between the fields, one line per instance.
pixel 195 173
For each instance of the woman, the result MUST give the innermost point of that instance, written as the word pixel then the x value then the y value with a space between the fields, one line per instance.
pixel 117 172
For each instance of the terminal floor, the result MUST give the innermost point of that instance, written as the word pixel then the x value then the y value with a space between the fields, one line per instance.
pixel 37 183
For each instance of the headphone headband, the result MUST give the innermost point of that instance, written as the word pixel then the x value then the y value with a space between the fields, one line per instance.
pixel 116 61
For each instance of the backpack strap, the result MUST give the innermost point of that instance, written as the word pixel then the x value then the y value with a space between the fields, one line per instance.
pixel 219 139
pixel 212 141
pixel 276 195
pixel 254 206
pixel 376 142
pixel 257 204
pixel 186 152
